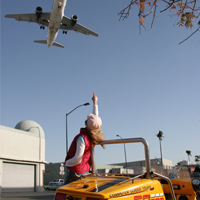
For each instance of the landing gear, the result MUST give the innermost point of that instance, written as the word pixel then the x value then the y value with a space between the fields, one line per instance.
pixel 59 4
pixel 42 27
pixel 64 32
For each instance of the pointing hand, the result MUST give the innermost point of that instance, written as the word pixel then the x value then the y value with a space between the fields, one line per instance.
pixel 94 99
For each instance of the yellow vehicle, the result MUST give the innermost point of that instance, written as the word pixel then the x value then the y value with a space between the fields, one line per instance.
pixel 147 186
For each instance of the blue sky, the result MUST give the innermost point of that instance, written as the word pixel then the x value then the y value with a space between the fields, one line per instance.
pixel 145 82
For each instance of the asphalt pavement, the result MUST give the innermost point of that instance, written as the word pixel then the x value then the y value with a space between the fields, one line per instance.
pixel 47 195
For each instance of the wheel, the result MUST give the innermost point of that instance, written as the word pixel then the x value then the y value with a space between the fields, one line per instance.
pixel 183 197
pixel 198 196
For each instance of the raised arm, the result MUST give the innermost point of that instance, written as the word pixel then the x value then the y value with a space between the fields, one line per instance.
pixel 95 106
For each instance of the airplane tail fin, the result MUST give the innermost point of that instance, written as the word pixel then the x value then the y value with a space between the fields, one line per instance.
pixel 57 44
pixel 45 42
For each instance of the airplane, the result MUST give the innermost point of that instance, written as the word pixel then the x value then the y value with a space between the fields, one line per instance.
pixel 54 20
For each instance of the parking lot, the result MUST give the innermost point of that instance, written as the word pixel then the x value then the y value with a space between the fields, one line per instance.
pixel 47 195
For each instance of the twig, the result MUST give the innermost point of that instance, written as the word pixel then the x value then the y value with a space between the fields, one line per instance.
pixel 123 14
pixel 189 36
pixel 153 16
pixel 170 4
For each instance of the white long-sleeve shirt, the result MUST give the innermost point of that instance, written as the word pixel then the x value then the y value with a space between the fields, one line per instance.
pixel 80 146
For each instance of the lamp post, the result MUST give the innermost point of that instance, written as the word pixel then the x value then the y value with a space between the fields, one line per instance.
pixel 85 104
pixel 124 152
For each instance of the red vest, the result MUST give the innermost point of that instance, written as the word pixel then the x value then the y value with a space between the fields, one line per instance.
pixel 85 164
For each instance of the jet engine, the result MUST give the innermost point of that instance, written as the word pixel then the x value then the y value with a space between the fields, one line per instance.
pixel 74 19
pixel 38 12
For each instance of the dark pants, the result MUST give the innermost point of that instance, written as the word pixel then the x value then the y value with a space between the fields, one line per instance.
pixel 72 177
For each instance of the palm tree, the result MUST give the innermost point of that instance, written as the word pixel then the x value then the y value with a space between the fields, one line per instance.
pixel 197 158
pixel 189 154
pixel 160 136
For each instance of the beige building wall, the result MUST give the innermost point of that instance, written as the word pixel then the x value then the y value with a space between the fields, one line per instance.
pixel 22 153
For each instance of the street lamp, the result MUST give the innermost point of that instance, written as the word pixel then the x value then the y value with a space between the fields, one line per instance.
pixel 124 152
pixel 85 104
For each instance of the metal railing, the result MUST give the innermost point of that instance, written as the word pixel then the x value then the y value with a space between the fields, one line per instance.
pixel 127 140
pixel 148 174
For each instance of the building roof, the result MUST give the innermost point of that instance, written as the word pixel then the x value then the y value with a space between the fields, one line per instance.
pixel 30 126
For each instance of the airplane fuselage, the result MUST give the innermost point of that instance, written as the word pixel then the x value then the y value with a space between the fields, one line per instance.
pixel 56 16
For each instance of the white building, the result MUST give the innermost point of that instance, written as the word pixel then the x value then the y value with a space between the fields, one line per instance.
pixel 22 157
pixel 140 166
pixel 184 162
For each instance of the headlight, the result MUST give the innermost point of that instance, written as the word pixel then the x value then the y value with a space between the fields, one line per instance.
pixel 196 182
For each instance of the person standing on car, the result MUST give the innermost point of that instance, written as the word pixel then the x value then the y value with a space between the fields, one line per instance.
pixel 78 159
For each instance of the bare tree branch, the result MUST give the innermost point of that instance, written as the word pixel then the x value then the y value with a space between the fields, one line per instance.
pixel 189 36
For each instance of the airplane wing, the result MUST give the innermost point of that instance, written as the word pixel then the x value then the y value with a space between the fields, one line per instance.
pixel 66 25
pixel 43 20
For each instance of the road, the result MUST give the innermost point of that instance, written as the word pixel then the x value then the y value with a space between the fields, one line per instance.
pixel 47 195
